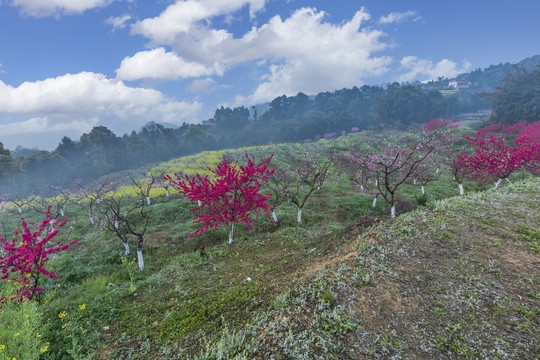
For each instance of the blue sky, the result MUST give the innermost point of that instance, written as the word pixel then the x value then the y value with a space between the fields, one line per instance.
pixel 69 65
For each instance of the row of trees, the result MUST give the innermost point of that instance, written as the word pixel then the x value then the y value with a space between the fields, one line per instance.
pixel 288 119
pixel 233 193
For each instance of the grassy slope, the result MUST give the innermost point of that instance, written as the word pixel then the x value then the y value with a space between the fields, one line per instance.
pixel 456 279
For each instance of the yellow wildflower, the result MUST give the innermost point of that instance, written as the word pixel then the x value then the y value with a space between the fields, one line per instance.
pixel 2 347
pixel 64 326
pixel 62 314
pixel 17 334
pixel 82 307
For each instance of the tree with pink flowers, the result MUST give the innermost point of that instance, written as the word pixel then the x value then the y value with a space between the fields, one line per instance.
pixel 231 196
pixel 382 172
pixel 23 258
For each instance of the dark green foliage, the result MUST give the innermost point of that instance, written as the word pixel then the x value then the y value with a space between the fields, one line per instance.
pixel 518 99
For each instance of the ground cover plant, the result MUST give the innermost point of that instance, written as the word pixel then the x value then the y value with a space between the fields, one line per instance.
pixel 347 283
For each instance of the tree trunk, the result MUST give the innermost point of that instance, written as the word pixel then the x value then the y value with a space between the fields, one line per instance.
pixel 231 234
pixel 423 190
pixel 497 183
pixel 199 202
pixel 127 252
pixel 139 253
pixel 299 217
pixel 274 215
pixel 62 212
pixel 393 210
pixel 461 191
pixel 91 220
pixel 166 192
pixel 374 202
pixel 148 200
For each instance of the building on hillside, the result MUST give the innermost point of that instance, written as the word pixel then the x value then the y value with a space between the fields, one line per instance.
pixel 459 84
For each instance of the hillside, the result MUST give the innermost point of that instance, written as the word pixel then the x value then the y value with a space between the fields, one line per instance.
pixel 457 278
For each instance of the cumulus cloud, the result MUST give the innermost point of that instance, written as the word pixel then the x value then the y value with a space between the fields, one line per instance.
pixel 159 64
pixel 43 8
pixel 422 68
pixel 49 105
pixel 118 22
pixel 303 52
pixel 182 16
pixel 397 17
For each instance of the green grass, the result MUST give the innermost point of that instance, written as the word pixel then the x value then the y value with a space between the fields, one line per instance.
pixel 290 291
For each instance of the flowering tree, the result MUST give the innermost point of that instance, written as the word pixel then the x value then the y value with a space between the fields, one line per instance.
pixel 231 196
pixel 382 172
pixel 497 159
pixel 27 253
pixel 310 171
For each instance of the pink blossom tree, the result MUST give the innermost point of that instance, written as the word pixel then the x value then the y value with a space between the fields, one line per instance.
pixel 383 172
pixel 231 196
pixel 26 254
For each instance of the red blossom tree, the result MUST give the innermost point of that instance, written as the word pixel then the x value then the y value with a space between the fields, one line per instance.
pixel 493 157
pixel 231 196
pixel 26 254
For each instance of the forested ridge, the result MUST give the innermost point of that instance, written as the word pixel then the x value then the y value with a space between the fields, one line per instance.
pixel 297 118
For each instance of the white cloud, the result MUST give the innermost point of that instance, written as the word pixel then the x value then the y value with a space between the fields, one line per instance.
pixel 202 85
pixel 397 17
pixel 79 101
pixel 180 17
pixel 311 55
pixel 42 8
pixel 118 22
pixel 159 64
pixel 303 52
pixel 422 69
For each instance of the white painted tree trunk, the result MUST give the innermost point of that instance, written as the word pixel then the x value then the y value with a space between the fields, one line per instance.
pixel 423 190
pixel 140 260
pixel 231 234
pixel 299 217
pixel 199 202
pixel 62 212
pixel 436 172
pixel 374 202
pixel 115 224
pixel 461 190
pixel 274 216
pixel 414 181
pixel 97 200
pixel 497 183
pixel 20 210
pixel 128 251
pixel 148 200
pixel 393 211
pixel 166 192
pixel 91 220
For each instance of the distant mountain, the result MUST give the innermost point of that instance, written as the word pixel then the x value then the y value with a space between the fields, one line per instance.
pixel 488 79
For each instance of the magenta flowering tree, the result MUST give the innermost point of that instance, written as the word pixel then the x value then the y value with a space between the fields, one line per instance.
pixel 23 259
pixel 231 196
pixel 383 172
pixel 309 172
pixel 496 158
